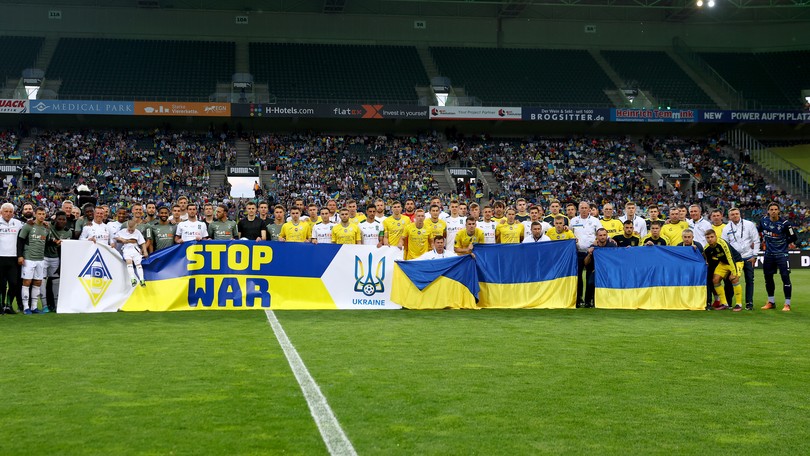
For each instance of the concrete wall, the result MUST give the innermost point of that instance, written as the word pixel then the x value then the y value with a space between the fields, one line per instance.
pixel 454 31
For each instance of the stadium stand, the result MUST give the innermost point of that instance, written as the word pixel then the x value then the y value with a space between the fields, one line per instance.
pixel 125 166
pixel 747 73
pixel 570 169
pixel 16 54
pixel 656 72
pixel 319 167
pixel 8 144
pixel 525 76
pixel 140 69
pixel 791 72
pixel 351 73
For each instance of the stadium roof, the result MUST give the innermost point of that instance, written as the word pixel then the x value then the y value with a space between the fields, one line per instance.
pixel 596 10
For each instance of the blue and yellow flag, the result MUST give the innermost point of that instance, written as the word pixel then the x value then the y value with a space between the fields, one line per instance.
pixel 436 284
pixel 536 275
pixel 653 277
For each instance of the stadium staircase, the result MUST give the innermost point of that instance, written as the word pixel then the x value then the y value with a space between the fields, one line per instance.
pixel 25 145
pixel 615 94
pixel 242 153
pixel 774 168
pixel 46 53
pixel 700 80
pixel 489 182
pixel 442 177
pixel 703 73
pixel 216 178
pixel 242 57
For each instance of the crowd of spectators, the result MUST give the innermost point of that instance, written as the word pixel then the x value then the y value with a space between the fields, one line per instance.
pixel 121 166
pixel 604 170
pixel 126 166
pixel 8 144
pixel 319 167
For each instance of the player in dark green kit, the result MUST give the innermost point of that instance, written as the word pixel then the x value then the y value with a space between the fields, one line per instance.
pixel 222 229
pixel 59 230
pixel 31 256
pixel 162 234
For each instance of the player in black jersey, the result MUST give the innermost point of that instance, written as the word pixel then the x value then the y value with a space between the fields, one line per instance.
pixel 628 238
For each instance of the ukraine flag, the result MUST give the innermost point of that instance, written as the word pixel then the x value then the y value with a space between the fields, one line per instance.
pixel 535 275
pixel 448 283
pixel 653 277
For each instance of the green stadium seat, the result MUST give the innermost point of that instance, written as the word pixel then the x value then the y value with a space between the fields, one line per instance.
pixel 141 69
pixel 656 72
pixel 525 76
pixel 346 73
pixel 16 54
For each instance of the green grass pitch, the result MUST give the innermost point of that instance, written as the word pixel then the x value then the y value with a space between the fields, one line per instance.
pixel 403 382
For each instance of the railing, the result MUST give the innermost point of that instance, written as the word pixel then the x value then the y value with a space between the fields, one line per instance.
pixel 789 176
pixel 683 50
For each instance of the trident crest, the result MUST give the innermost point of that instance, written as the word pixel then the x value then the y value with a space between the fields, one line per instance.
pixel 366 283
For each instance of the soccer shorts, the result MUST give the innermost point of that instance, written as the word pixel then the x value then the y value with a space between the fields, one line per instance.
pixel 51 266
pixel 33 270
pixel 723 270
pixel 134 255
pixel 770 265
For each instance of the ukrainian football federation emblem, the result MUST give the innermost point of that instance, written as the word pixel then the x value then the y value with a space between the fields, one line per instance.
pixel 95 278
pixel 366 283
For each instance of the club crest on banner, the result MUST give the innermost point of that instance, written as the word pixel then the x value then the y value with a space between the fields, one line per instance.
pixel 364 281
pixel 95 277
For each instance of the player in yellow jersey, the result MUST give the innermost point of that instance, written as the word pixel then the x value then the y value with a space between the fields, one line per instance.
pixel 716 217
pixel 346 232
pixel 434 224
pixel 394 225
pixel 313 217
pixel 511 231
pixel 672 230
pixel 417 237
pixel 500 210
pixel 468 237
pixel 559 232
pixel 296 230
pixel 613 225
pixel 354 216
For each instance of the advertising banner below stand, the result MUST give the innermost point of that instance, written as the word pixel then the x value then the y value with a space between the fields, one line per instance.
pixel 243 171
pixel 8 106
pixel 474 113
pixel 565 114
pixel 331 111
pixel 798 259
pixel 755 116
pixel 90 107
pixel 654 115
pixel 165 108
pixel 462 172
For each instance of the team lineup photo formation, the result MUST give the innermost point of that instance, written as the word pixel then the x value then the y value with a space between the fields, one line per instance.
pixel 30 236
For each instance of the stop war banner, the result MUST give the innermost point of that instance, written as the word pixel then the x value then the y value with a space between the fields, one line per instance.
pixel 229 275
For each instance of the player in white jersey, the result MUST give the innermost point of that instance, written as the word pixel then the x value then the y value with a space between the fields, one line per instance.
pixel 534 216
pixel 379 205
pixel 117 225
pixel 97 230
pixel 488 226
pixel 371 229
pixel 455 223
pixel 133 249
pixel 191 229
pixel 322 231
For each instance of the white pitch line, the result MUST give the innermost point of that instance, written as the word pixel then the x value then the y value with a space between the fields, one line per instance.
pixel 333 436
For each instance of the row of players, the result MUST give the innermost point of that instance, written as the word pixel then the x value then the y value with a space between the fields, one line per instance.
pixel 411 230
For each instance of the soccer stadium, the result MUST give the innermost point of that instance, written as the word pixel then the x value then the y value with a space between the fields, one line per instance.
pixel 417 227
